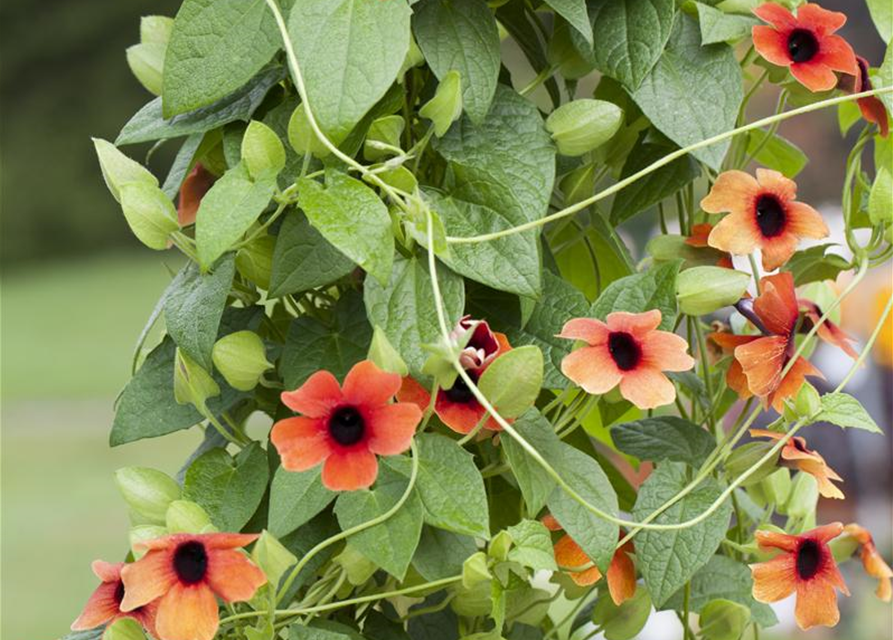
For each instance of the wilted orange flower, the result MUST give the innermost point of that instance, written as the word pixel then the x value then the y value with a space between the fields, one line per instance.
pixel 807 568
pixel 628 350
pixel 104 606
pixel 872 108
pixel 796 454
pixel 698 238
pixel 872 561
pixel 184 572
pixel 457 407
pixel 763 214
pixel 193 189
pixel 827 331
pixel 621 571
pixel 345 427
pixel 805 43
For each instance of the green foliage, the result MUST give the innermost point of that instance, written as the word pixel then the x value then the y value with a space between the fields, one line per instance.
pixel 652 289
pixel 664 438
pixel 295 498
pixel 512 383
pixel 845 411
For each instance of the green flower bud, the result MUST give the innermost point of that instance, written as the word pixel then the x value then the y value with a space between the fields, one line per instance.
pixel 124 629
pixel 192 384
pixel 777 486
pixel 150 214
pixel 241 358
pixel 147 492
pixel 143 533
pixel 118 170
pixel 625 621
pixel 843 547
pixel 272 557
pixel 747 455
pixel 358 567
pixel 703 290
pixel 583 125
pixel 184 516
pixel 808 401
pixel 146 62
pixel 804 496
pixel 475 570
pixel 156 29
pixel 262 150
pixel 383 138
pixel 499 546
pixel 414 58
pixel 446 105
pixel 474 602
pixel 383 354
pixel 255 260
pixel 723 620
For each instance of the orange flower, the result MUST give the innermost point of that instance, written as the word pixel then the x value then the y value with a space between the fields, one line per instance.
pixel 104 606
pixel 193 189
pixel 760 359
pixel 621 571
pixel 698 238
pixel 872 561
pixel 805 43
pixel 806 567
pixel 827 331
pixel 627 349
pixel 345 427
pixel 457 407
pixel 184 572
pixel 872 108
pixel 796 454
pixel 763 214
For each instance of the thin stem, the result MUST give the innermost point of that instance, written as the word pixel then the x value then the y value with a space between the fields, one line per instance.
pixel 708 381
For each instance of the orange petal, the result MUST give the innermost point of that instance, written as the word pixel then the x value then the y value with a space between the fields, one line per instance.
pixel 666 351
pixel 826 532
pixel 771 44
pixel 761 362
pixel 147 579
pixel 621 578
pixel 873 110
pixel 777 250
pixel 392 427
pixel 316 397
pixel 737 233
pixel 837 54
pixel 814 76
pixel 232 576
pixel 791 383
pixel 776 15
pixel 302 442
pixel 816 604
pixel 100 608
pixel 193 189
pixel 187 613
pixel 728 341
pixel 777 305
pixel 774 540
pixel 226 540
pixel 777 184
pixel 367 385
pixel 822 473
pixel 412 391
pixel 636 324
pixel 551 523
pixel 774 579
pixel 737 381
pixel 589 330
pixel 765 433
pixel 461 417
pixel 813 17
pixel 349 470
pixel 805 221
pixel 592 368
pixel 107 571
pixel 734 191
pixel 647 388
pixel 699 235
pixel 569 554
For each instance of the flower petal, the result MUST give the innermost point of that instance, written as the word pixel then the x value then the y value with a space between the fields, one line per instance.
pixel 589 330
pixel 777 305
pixel 302 442
pixel 776 15
pixel 348 470
pixel 777 184
pixel 772 45
pixel 569 554
pixel 226 540
pixel 367 385
pixel 461 417
pixel 392 427
pixel 107 571
pixel 778 250
pixel 837 54
pixel 815 18
pixel 822 473
pixel 805 221
pixel 316 397
pixel 232 576
pixel 814 76
pixel 193 189
pixel 791 383
pixel 412 391
pixel 734 191
pixel 621 578
pixel 637 324
pixel 647 388
pixel 775 540
pixel 761 362
pixel 666 351
pixel 736 233
pixel 187 613
pixel 148 578
pixel 774 579
pixel 100 608
pixel 592 368
pixel 816 604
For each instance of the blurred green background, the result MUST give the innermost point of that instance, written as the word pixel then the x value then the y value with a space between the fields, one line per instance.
pixel 77 288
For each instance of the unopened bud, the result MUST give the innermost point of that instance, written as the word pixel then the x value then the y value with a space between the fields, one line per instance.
pixel 147 492
pixel 241 358
pixel 703 290
pixel 583 125
pixel 446 105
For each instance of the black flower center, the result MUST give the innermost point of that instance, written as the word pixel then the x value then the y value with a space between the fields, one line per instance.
pixel 119 592
pixel 191 562
pixel 802 45
pixel 770 215
pixel 625 350
pixel 346 426
pixel 459 393
pixel 809 559
pixel 798 445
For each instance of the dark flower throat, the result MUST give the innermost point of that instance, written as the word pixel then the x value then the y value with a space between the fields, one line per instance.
pixel 347 426
pixel 802 45
pixel 459 393
pixel 770 215
pixel 624 349
pixel 191 562
pixel 809 559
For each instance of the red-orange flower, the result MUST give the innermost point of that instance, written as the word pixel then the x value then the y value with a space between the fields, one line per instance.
pixel 760 359
pixel 698 238
pixel 621 571
pixel 104 606
pixel 457 407
pixel 872 561
pixel 805 43
pixel 796 454
pixel 628 350
pixel 763 214
pixel 184 572
pixel 805 567
pixel 827 331
pixel 872 108
pixel 193 189
pixel 345 426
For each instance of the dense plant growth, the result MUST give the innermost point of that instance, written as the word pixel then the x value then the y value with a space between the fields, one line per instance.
pixel 413 269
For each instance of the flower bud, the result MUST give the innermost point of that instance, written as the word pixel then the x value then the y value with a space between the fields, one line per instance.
pixel 414 58
pixel 703 290
pixel 777 486
pixel 241 358
pixel 499 546
pixel 583 125
pixel 272 557
pixel 192 384
pixel 124 629
pixel 358 567
pixel 146 62
pixel 384 355
pixel 383 133
pixel 723 620
pixel 475 570
pixel 808 402
pixel 184 516
pixel 147 492
pixel 747 455
pixel 804 496
pixel 255 260
pixel 143 533
pixel 446 105
pixel 118 170
pixel 150 214
pixel 262 150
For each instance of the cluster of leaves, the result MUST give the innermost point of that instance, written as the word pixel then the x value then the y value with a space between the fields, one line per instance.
pixel 348 141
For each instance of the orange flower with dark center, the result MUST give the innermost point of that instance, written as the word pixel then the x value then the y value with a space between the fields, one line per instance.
pixel 344 427
pixel 629 350
pixel 805 43
pixel 621 571
pixel 796 454
pixel 872 108
pixel 763 214
pixel 827 331
pixel 193 189
pixel 184 573
pixel 698 238
pixel 760 359
pixel 457 407
pixel 104 606
pixel 805 567
pixel 872 561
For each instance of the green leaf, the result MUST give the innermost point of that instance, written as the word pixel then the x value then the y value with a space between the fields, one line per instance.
pixel 668 559
pixel 682 114
pixel 816 264
pixel 262 150
pixel 149 124
pixel 228 209
pixel 303 259
pixel 441 553
pixel 352 217
pixel 623 622
pixel 451 488
pixel 845 411
pixel 118 170
pixel 228 488
pixel 216 46
pixel 628 36
pixel 652 289
pixel 405 308
pixel 295 497
pixel 532 546
pixel 719 26
pixel 882 15
pixel 347 48
pixel 880 200
pixel 340 344
pixel 392 543
pixel 461 35
pixel 193 308
pixel 595 535
pixel 705 289
pixel 777 153
pixel 535 483
pixel 512 382
pixel 664 438
pixel 446 105
pixel 575 12
pixel 654 187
